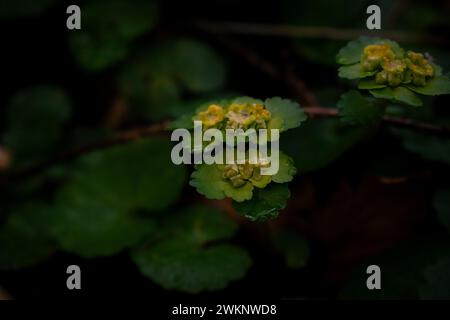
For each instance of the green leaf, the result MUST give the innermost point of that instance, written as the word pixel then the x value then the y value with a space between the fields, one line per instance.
pixel 437 281
pixel 294 248
pixel 318 143
pixel 188 258
pixel 286 171
pixel 428 146
pixel 24 238
pixel 288 111
pixel 441 202
pixel 108 29
pixel 356 109
pixel 198 66
pixel 399 94
pixel 367 84
pixel 435 86
pixel 207 179
pixel 265 204
pixel 354 71
pixel 353 51
pixel 90 228
pixel 96 208
pixel 35 119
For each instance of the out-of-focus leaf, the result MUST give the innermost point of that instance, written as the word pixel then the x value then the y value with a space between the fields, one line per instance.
pixel 35 118
pixel 25 238
pixel 10 10
pixel 398 94
pixel 96 209
pixel 356 109
pixel 319 142
pixel 441 203
pixel 402 272
pixel 188 257
pixel 437 281
pixel 156 79
pixel 198 67
pixel 430 147
pixel 293 246
pixel 265 204
pixel 108 28
pixel 435 86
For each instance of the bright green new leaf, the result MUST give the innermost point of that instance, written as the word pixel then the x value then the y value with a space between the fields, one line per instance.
pixel 286 110
pixel 286 171
pixel 368 84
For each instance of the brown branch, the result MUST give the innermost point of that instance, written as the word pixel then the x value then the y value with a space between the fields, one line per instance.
pixel 313 32
pixel 159 128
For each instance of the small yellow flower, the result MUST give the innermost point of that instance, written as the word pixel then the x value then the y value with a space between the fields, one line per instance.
pixel 393 72
pixel 245 115
pixel 212 116
pixel 374 55
pixel 239 175
pixel 419 67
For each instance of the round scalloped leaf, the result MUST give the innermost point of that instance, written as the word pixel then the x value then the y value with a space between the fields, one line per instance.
pixel 286 170
pixel 352 52
pixel 435 86
pixel 265 204
pixel 354 71
pixel 207 179
pixel 398 94
pixel 356 109
pixel 367 84
pixel 441 202
pixel 291 114
pixel 108 27
pixel 96 207
pixel 188 258
pixel 25 238
pixel 177 264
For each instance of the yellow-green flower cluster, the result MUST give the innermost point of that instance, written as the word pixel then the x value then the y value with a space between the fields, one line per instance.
pixel 239 175
pixel 391 70
pixel 235 116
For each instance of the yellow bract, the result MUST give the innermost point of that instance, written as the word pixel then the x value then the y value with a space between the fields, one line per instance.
pixel 374 55
pixel 241 116
pixel 392 70
pixel 212 116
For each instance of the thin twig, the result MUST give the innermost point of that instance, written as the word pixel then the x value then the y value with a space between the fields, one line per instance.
pixel 313 32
